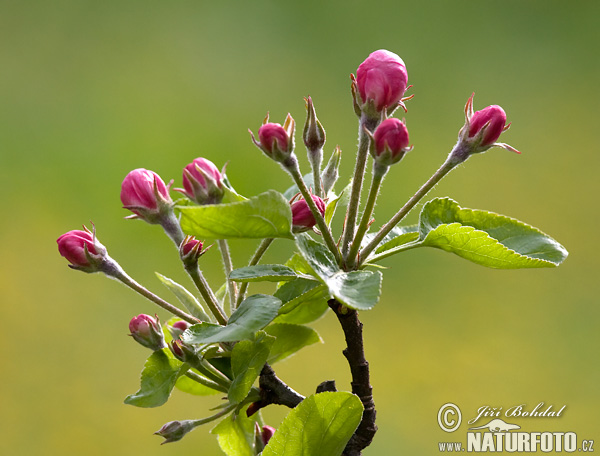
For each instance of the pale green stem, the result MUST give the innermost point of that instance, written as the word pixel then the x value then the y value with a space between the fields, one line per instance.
pixel 315 162
pixel 379 171
pixel 228 265
pixel 205 382
pixel 385 229
pixel 206 292
pixel 294 170
pixel 262 248
pixel 216 416
pixel 357 181
pixel 112 269
pixel 212 373
pixel 171 226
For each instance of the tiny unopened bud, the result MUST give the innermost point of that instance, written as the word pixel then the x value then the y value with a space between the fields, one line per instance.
pixel 82 249
pixel 183 352
pixel 266 433
pixel 302 217
pixel 190 250
pixel 145 194
pixel 175 430
pixel 331 172
pixel 380 82
pixel 202 182
pixel 390 142
pixel 480 132
pixel 177 328
pixel 276 141
pixel 146 331
pixel 314 133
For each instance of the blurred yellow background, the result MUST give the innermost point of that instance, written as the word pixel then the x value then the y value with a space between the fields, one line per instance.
pixel 90 90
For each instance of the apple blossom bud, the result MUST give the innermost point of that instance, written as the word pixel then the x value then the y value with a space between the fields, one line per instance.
pixel 381 82
pixel 277 141
pixel 314 133
pixel 267 433
pixel 175 430
pixel 145 194
pixel 302 217
pixel 183 352
pixel 190 250
pixel 82 249
pixel 493 118
pixel 177 328
pixel 331 172
pixel 147 332
pixel 202 182
pixel 390 142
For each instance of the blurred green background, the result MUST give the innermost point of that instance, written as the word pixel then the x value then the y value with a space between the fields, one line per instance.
pixel 90 90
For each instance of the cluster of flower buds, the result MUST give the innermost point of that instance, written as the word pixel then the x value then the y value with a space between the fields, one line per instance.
pixel 202 182
pixel 146 331
pixel 480 132
pixel 276 141
pixel 83 250
pixel 380 83
pixel 302 217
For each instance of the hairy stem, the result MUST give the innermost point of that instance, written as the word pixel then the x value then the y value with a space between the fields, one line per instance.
pixel 379 172
pixel 294 170
pixel 205 382
pixel 357 181
pixel 385 229
pixel 315 163
pixel 172 228
pixel 228 265
pixel 260 251
pixel 361 383
pixel 206 292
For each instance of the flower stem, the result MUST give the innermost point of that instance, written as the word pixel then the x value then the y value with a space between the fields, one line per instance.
pixel 294 170
pixel 357 181
pixel 228 265
pixel 379 171
pixel 112 269
pixel 208 295
pixel 205 382
pixel 262 248
pixel 446 167
pixel 172 228
pixel 217 415
pixel 315 163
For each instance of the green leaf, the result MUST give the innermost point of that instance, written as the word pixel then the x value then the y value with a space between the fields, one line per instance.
pixel 335 201
pixel 230 195
pixel 486 238
pixel 185 297
pixel 235 435
pixel 187 385
pixel 247 360
pixel 289 339
pixel 299 291
pixel 263 273
pixel 267 215
pixel 321 424
pixel 356 289
pixel 253 314
pixel 395 239
pixel 157 380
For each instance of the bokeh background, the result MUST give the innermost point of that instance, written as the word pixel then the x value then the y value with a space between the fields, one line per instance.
pixel 90 90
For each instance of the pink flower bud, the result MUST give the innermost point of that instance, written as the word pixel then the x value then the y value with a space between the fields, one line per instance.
pixel 73 245
pixel 495 118
pixel 190 250
pixel 390 141
pixel 267 433
pixel 302 217
pixel 382 79
pixel 143 192
pixel 202 182
pixel 147 331
pixel 178 328
pixel 189 245
pixel 273 135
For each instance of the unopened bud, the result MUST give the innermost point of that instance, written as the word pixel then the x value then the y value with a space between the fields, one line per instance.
pixel 82 249
pixel 266 433
pixel 183 352
pixel 147 332
pixel 177 328
pixel 175 430
pixel 190 250
pixel 331 172
pixel 202 182
pixel 145 194
pixel 302 217
pixel 276 141
pixel 390 142
pixel 314 133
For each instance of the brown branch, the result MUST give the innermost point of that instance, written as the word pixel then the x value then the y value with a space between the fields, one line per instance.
pixel 273 391
pixel 361 384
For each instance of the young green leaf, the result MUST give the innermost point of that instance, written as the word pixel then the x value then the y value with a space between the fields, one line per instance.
pixel 321 424
pixel 253 314
pixel 356 289
pixel 267 215
pixel 247 360
pixel 334 202
pixel 395 239
pixel 486 238
pixel 157 380
pixel 263 273
pixel 289 339
pixel 185 297
pixel 235 435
